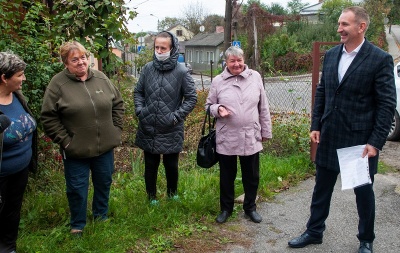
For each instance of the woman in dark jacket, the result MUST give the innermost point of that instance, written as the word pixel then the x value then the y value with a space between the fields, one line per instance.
pixel 17 148
pixel 82 112
pixel 164 95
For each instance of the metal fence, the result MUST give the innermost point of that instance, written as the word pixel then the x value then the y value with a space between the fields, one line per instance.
pixel 289 93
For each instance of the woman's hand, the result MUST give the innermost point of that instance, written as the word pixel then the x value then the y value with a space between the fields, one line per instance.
pixel 223 112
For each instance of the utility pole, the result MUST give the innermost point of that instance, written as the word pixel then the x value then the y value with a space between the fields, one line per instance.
pixel 234 19
pixel 255 40
pixel 228 24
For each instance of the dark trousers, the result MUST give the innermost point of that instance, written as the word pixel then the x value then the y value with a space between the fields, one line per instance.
pixel 12 188
pixel 151 163
pixel 321 199
pixel 250 167
pixel 77 172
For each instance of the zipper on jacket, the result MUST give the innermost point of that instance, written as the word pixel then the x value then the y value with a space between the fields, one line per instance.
pixel 95 116
pixel 156 112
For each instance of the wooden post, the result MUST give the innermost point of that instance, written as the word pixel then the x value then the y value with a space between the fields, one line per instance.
pixel 255 41
pixel 228 24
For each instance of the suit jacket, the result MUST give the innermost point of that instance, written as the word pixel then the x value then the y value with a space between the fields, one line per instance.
pixel 358 110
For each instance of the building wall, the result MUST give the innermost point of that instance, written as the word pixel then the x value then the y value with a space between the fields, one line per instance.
pixel 184 34
pixel 199 57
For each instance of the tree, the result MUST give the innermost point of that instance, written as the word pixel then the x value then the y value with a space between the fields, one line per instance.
pixel 377 10
pixel 331 10
pixel 394 14
pixel 276 9
pixel 212 21
pixel 96 24
pixel 295 6
pixel 25 31
pixel 245 7
pixel 168 22
pixel 194 14
pixel 34 29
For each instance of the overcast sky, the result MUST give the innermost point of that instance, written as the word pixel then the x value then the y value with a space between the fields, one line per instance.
pixel 149 11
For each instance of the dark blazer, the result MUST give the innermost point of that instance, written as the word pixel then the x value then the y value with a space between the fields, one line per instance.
pixel 358 110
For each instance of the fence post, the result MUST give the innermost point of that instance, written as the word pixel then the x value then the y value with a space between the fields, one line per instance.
pixel 211 64
pixel 316 54
pixel 314 83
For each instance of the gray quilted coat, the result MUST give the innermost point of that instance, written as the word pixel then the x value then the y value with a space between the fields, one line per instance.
pixel 164 95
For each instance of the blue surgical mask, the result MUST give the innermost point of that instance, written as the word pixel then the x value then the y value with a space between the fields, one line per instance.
pixel 163 56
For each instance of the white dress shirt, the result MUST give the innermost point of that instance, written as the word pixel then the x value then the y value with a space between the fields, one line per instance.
pixel 346 59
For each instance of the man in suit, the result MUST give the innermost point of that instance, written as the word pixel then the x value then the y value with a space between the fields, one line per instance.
pixel 354 105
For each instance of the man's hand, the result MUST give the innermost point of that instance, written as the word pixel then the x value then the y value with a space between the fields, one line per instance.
pixel 370 151
pixel 314 136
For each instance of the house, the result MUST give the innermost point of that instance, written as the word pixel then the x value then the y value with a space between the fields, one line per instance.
pixel 203 49
pixel 311 12
pixel 181 32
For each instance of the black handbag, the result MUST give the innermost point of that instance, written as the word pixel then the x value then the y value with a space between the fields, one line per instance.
pixel 206 151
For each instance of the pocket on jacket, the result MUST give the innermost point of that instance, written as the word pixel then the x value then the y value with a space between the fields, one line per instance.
pixel 257 131
pixel 81 143
pixel 220 133
pixel 167 121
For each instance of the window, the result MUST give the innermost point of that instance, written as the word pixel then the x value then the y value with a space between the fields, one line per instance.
pixel 197 57
pixel 190 56
pixel 210 57
pixel 179 33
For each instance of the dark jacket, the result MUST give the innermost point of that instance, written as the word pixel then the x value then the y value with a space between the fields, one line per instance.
pixel 85 115
pixel 34 159
pixel 359 110
pixel 164 95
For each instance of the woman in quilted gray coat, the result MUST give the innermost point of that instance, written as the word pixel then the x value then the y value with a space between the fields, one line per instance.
pixel 164 95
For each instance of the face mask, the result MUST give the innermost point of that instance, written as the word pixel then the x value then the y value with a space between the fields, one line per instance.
pixel 163 56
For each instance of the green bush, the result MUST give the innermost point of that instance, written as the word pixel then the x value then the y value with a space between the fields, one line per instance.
pixel 290 135
pixel 30 39
pixel 275 46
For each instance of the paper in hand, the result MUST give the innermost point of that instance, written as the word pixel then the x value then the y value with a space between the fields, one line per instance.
pixel 354 169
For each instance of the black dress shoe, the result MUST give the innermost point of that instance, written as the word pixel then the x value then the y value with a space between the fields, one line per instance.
pixel 222 217
pixel 365 247
pixel 304 240
pixel 254 216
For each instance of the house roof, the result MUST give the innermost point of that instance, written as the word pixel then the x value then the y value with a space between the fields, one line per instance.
pixel 176 25
pixel 315 8
pixel 311 9
pixel 206 39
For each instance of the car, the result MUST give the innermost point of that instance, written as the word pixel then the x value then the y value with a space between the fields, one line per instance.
pixel 394 134
pixel 188 66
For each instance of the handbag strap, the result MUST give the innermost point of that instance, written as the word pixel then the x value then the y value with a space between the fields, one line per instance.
pixel 207 116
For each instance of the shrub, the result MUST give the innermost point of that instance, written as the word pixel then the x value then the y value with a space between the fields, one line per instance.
pixel 290 135
pixel 275 46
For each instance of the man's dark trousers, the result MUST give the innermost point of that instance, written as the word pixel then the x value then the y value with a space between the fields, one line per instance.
pixel 321 199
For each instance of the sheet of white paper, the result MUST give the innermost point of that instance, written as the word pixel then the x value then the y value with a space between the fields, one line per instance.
pixel 354 169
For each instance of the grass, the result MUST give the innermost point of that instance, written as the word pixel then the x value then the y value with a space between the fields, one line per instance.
pixel 134 225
